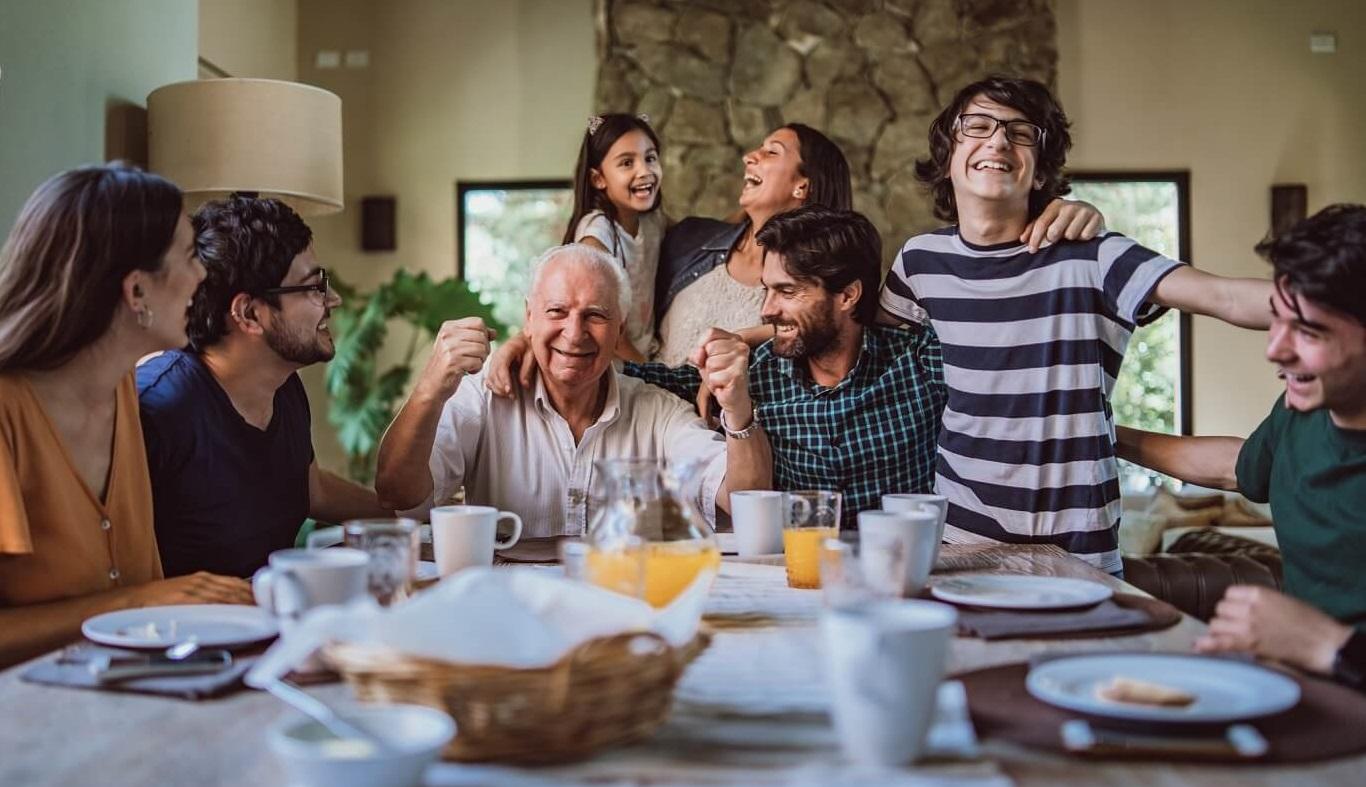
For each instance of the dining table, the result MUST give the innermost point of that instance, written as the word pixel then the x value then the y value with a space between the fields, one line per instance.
pixel 750 710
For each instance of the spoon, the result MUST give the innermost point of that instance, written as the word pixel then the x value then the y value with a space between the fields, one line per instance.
pixel 323 713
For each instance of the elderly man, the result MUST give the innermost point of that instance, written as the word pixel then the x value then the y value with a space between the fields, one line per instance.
pixel 533 453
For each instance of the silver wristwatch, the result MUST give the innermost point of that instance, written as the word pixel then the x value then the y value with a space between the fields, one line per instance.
pixel 743 434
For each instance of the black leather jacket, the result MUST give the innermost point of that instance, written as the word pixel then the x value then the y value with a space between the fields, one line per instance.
pixel 692 247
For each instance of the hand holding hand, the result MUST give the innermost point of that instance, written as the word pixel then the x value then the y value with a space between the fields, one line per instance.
pixel 1069 219
pixel 1263 622
pixel 723 359
pixel 460 349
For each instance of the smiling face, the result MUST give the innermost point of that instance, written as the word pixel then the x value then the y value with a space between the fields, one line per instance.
pixel 773 180
pixel 802 313
pixel 630 174
pixel 993 169
pixel 170 290
pixel 298 331
pixel 574 320
pixel 1321 354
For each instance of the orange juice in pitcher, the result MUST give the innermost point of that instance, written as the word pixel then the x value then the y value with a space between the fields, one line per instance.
pixel 647 540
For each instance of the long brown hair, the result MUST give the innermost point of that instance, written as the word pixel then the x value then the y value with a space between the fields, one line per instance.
pixel 63 265
pixel 603 132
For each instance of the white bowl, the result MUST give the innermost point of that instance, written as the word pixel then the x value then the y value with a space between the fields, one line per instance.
pixel 314 757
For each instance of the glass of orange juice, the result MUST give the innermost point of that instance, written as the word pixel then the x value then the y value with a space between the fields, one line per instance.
pixel 808 519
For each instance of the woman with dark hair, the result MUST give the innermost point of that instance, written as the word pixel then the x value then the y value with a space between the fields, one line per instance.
pixel 97 272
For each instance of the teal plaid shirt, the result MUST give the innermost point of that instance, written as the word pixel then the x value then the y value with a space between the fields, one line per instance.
pixel 874 432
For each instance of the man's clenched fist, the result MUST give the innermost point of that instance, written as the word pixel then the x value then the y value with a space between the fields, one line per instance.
pixel 460 349
pixel 723 359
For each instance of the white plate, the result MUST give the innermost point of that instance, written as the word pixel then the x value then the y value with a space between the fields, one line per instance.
pixel 1224 690
pixel 426 571
pixel 1020 591
pixel 212 625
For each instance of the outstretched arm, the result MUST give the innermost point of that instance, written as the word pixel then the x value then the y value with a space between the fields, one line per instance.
pixel 33 629
pixel 1207 461
pixel 1241 302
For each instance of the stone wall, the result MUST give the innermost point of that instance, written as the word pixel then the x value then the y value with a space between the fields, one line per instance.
pixel 715 76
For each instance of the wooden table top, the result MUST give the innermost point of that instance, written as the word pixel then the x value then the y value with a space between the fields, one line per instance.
pixel 67 736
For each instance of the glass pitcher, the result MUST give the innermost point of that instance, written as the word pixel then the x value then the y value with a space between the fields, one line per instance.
pixel 648 539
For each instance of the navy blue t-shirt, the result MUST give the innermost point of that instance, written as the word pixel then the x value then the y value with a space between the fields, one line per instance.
pixel 225 494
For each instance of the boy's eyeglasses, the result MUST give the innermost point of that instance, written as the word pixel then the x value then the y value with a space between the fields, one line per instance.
pixel 321 287
pixel 1019 132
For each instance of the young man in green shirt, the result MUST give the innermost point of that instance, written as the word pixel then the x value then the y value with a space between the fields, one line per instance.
pixel 1308 458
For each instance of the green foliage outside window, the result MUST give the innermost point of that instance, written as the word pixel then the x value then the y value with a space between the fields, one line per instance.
pixel 1145 396
pixel 505 231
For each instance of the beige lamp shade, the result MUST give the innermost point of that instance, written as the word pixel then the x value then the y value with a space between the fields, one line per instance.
pixel 213 137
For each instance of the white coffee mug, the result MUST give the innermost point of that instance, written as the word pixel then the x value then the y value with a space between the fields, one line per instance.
pixel 757 518
pixel 916 531
pixel 465 536
pixel 884 662
pixel 911 501
pixel 297 580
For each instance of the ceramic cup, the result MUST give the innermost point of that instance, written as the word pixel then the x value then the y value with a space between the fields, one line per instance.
pixel 757 518
pixel 883 664
pixel 297 580
pixel 465 536
pixel 917 533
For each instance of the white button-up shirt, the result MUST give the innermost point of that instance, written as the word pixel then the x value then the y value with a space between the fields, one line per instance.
pixel 518 454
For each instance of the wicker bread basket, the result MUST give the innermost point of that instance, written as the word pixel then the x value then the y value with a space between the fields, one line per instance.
pixel 606 691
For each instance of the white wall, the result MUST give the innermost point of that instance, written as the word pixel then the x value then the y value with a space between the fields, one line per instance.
pixel 251 38
pixel 1229 90
pixel 74 79
pixel 455 90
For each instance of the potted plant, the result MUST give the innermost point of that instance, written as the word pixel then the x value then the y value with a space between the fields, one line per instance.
pixel 363 397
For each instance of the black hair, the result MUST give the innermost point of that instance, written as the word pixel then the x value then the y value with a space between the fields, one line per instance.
pixel 597 142
pixel 1038 105
pixel 832 247
pixel 62 268
pixel 247 245
pixel 1323 258
pixel 825 169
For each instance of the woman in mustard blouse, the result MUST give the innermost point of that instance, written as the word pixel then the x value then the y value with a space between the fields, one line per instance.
pixel 97 272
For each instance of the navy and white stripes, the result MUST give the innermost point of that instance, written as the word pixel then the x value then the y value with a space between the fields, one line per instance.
pixel 1032 346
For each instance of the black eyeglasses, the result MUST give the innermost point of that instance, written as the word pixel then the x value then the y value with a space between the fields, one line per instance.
pixel 321 287
pixel 1019 132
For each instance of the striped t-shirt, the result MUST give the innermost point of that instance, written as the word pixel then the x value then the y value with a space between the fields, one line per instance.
pixel 1032 345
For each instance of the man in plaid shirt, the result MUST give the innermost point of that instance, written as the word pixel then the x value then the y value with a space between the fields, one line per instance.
pixel 847 405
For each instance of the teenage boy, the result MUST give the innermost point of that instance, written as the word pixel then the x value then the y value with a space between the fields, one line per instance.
pixel 1308 458
pixel 1032 340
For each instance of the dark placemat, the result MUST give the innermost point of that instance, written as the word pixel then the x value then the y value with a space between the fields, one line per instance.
pixel 69 669
pixel 1121 615
pixel 1329 721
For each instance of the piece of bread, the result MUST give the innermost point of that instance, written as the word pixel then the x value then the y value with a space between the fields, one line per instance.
pixel 1131 691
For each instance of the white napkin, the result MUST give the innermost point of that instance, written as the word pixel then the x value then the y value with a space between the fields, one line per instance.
pixel 520 618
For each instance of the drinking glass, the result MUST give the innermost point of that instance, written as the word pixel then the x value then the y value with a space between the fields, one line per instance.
pixel 856 569
pixel 809 518
pixel 393 547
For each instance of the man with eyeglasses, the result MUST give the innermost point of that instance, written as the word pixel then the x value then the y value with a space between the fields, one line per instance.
pixel 1032 340
pixel 226 420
